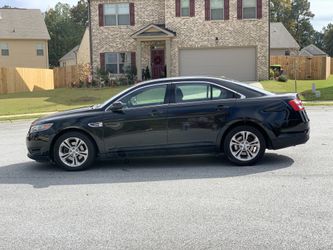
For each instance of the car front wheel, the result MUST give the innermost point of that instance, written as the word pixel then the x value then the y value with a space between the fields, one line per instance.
pixel 74 151
pixel 244 145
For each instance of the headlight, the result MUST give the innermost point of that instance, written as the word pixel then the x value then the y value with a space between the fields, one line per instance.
pixel 41 127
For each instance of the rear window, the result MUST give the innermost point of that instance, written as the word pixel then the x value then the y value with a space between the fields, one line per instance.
pixel 246 89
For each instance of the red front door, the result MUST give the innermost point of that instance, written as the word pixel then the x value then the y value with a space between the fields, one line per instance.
pixel 157 63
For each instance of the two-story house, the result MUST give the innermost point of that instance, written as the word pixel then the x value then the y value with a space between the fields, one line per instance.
pixel 182 37
pixel 23 39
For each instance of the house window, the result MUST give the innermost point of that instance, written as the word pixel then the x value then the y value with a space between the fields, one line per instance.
pixel 116 14
pixel 40 49
pixel 249 9
pixel 216 9
pixel 185 7
pixel 4 49
pixel 116 63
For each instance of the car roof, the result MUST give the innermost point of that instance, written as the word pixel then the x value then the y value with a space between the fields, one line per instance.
pixel 240 87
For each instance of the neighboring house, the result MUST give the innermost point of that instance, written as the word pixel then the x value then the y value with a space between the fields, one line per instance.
pixel 312 50
pixel 70 58
pixel 23 39
pixel 282 42
pixel 79 54
pixel 182 37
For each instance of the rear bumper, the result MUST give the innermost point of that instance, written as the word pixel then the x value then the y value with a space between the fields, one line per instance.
pixel 291 139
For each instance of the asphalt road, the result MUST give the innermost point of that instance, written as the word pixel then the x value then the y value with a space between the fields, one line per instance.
pixel 285 202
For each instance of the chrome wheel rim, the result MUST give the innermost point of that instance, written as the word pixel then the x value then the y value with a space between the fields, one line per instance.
pixel 245 146
pixel 73 152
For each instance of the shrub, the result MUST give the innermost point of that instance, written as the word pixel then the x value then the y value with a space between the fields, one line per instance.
pixel 271 74
pixel 131 73
pixel 283 78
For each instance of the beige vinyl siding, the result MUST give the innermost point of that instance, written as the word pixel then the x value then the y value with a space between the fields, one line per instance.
pixel 83 55
pixel 68 62
pixel 23 53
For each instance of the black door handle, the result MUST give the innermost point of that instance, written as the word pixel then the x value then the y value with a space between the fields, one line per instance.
pixel 220 107
pixel 155 112
pixel 223 109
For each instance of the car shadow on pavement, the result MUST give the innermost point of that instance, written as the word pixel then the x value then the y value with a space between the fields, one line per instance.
pixel 138 170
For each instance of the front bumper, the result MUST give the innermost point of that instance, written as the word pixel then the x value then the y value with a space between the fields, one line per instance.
pixel 38 145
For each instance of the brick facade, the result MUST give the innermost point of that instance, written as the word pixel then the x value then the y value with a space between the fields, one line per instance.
pixel 192 32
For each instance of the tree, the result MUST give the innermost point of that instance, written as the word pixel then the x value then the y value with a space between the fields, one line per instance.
pixel 296 16
pixel 318 39
pixel 79 13
pixel 6 7
pixel 328 39
pixel 301 26
pixel 66 27
pixel 280 11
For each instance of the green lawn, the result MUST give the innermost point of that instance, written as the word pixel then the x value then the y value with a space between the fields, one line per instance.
pixel 53 100
pixel 304 88
pixel 64 99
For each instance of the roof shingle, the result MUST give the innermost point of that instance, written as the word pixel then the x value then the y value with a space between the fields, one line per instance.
pixel 313 50
pixel 281 38
pixel 22 24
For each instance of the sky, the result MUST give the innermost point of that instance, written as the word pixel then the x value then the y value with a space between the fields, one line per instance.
pixel 323 9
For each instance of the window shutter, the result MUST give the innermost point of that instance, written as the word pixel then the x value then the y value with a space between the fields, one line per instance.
pixel 239 9
pixel 177 8
pixel 132 14
pixel 207 9
pixel 259 9
pixel 133 59
pixel 101 14
pixel 102 60
pixel 226 9
pixel 192 8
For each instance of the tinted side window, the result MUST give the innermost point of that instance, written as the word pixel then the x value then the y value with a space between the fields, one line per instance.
pixel 192 92
pixel 145 97
pixel 201 92
pixel 221 93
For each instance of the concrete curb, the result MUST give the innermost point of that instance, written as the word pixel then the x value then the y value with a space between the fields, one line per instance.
pixel 9 117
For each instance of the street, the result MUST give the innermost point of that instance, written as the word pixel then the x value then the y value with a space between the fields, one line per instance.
pixel 201 202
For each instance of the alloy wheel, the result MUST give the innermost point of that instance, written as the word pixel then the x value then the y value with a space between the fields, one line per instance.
pixel 244 146
pixel 73 152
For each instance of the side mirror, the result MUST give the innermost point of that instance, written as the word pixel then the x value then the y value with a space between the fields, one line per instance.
pixel 117 106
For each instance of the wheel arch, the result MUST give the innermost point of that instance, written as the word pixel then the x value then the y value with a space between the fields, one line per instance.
pixel 68 130
pixel 251 123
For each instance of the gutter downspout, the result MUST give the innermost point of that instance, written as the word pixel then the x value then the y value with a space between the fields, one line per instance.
pixel 269 38
pixel 90 38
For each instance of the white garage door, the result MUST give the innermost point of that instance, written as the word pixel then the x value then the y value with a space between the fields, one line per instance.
pixel 233 63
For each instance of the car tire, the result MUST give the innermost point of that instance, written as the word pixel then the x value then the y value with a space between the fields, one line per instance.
pixel 244 145
pixel 74 151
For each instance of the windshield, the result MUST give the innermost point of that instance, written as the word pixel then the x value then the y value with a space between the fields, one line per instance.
pixel 113 98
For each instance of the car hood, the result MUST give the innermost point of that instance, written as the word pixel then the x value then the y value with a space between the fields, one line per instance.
pixel 65 114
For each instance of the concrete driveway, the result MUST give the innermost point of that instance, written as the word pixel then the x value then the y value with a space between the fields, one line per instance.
pixel 285 202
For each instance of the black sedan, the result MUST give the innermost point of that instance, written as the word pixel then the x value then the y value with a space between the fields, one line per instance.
pixel 185 115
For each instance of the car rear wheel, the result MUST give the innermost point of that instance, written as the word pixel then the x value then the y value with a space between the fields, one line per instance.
pixel 244 145
pixel 74 151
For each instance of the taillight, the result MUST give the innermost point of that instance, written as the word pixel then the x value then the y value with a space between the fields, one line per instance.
pixel 296 104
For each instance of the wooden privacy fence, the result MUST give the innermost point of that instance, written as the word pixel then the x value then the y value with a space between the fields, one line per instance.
pixel 13 80
pixel 306 68
pixel 70 76
pixel 331 65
